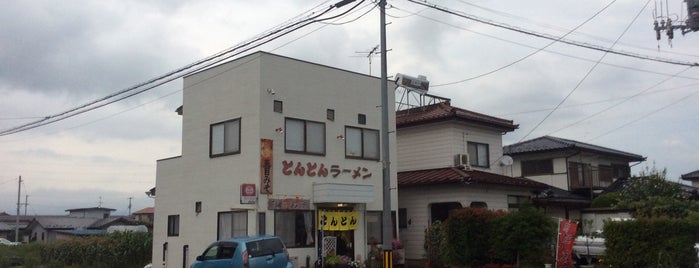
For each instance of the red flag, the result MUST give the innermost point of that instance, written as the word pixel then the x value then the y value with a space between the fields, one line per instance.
pixel 566 238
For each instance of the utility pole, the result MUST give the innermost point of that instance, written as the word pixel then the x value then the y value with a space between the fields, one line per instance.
pixel 19 191
pixel 130 206
pixel 387 244
pixel 26 203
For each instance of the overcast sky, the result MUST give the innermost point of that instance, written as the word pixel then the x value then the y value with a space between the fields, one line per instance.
pixel 57 55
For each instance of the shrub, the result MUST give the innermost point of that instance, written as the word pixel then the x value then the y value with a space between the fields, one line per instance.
pixel 524 237
pixel 650 242
pixel 470 233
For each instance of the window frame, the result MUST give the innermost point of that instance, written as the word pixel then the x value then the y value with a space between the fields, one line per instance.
pixel 534 167
pixel 305 149
pixel 363 143
pixel 473 158
pixel 173 225
pixel 233 230
pixel 311 231
pixel 211 138
pixel 520 200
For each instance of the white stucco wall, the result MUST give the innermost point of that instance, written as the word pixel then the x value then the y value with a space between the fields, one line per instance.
pixel 239 89
pixel 417 201
pixel 436 145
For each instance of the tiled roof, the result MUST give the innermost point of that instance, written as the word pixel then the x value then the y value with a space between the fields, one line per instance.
pixel 64 222
pixel 691 176
pixel 90 209
pixel 444 111
pixel 457 175
pixel 550 143
pixel 148 210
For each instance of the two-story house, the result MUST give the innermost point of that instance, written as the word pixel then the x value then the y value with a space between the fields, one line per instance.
pixel 577 171
pixel 451 158
pixel 270 145
pixel 570 165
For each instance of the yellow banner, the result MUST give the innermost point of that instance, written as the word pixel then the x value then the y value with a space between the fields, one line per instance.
pixel 337 220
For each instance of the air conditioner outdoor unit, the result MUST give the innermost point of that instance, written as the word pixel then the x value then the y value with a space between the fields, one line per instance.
pixel 462 160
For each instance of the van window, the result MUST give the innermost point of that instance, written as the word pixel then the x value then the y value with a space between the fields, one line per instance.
pixel 264 247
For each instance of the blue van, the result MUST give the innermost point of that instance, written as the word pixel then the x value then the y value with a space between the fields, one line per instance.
pixel 245 252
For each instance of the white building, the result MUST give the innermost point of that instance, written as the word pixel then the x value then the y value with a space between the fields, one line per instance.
pixel 269 142
pixel 450 158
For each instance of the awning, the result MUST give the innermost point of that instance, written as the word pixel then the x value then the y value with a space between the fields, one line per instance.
pixel 342 193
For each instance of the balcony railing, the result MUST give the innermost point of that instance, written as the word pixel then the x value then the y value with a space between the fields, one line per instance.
pixel 588 177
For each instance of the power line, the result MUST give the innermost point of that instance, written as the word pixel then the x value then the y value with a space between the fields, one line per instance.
pixel 527 46
pixel 589 72
pixel 170 76
pixel 562 29
pixel 619 103
pixel 550 37
pixel 646 115
pixel 597 102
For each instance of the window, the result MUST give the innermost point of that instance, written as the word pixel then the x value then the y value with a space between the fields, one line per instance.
pixel 303 136
pixel 173 225
pixel 261 223
pixel 185 256
pixel 402 218
pixel 361 119
pixel 232 224
pixel 361 143
pixel 278 106
pixel 478 204
pixel 537 167
pixel 374 230
pixel 165 252
pixel 330 114
pixel 295 228
pixel 440 211
pixel 515 202
pixel 225 138
pixel 374 226
pixel 478 154
pixel 197 207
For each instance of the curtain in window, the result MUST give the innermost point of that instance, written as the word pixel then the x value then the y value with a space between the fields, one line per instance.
pixel 308 224
pixel 294 135
pixel 225 226
pixel 315 140
pixel 240 223
pixel 217 139
pixel 232 143
pixel 353 142
pixel 371 144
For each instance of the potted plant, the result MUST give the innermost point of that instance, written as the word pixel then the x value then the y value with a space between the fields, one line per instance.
pixel 332 260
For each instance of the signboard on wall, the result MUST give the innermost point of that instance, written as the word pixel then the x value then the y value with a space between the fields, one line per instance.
pixel 337 220
pixel 248 193
pixel 289 204
pixel 266 160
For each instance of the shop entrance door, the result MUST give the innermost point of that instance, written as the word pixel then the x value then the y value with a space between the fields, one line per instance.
pixel 344 242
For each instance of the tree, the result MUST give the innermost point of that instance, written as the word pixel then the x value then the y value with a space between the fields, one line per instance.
pixel 525 236
pixel 649 194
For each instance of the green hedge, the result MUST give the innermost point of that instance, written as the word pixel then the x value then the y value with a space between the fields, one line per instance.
pixel 114 250
pixel 650 242
pixel 473 237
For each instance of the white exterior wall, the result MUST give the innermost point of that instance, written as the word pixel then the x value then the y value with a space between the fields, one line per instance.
pixel 239 89
pixel 417 200
pixel 436 145
pixel 559 178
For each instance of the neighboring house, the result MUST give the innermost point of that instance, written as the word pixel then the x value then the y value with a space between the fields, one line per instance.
pixel 79 222
pixel 144 216
pixel 93 212
pixel 576 171
pixel 570 165
pixel 692 177
pixel 8 223
pixel 269 144
pixel 450 158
